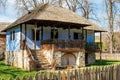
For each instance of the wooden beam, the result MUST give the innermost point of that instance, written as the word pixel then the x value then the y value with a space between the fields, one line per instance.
pixel 35 29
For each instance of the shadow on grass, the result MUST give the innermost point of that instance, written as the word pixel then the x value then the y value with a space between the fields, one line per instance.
pixel 104 62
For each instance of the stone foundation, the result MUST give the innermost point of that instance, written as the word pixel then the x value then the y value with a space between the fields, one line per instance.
pixel 21 59
pixel 80 58
pixel 18 59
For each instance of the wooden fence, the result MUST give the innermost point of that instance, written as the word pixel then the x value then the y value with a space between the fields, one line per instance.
pixel 100 73
pixel 108 56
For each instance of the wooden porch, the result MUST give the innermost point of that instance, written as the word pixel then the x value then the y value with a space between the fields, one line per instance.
pixel 70 45
pixel 92 46
pixel 63 45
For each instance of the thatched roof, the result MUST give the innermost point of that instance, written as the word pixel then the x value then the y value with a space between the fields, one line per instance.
pixel 52 14
pixel 3 25
pixel 95 27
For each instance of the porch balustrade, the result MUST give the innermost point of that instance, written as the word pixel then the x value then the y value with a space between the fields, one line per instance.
pixel 73 44
pixel 65 43
pixel 93 46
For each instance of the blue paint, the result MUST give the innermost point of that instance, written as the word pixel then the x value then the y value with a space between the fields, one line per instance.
pixel 13 45
pixel 90 36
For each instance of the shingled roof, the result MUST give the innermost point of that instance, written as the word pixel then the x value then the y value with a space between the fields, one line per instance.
pixel 47 12
pixel 95 27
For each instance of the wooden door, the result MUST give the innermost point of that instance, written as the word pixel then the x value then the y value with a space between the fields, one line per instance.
pixel 68 59
pixel 86 58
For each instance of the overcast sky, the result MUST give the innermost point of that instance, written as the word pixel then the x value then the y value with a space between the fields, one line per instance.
pixel 10 14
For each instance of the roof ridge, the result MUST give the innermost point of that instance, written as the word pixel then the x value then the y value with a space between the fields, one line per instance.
pixel 40 8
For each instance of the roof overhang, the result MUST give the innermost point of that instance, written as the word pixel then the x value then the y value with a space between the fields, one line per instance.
pixel 50 23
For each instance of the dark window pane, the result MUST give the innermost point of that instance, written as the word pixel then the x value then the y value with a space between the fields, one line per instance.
pixel 13 35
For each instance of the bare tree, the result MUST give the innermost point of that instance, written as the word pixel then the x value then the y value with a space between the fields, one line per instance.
pixel 3 3
pixel 111 10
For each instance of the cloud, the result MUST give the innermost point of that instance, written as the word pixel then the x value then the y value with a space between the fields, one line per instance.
pixel 6 19
pixel 9 13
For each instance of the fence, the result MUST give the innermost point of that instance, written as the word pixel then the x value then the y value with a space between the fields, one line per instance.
pixel 100 73
pixel 108 56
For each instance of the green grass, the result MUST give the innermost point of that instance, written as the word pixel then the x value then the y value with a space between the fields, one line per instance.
pixel 99 63
pixel 8 71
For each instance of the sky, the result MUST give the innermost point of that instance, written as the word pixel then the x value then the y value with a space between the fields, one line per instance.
pixel 9 14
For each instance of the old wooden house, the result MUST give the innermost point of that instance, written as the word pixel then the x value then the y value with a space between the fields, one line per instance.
pixel 50 36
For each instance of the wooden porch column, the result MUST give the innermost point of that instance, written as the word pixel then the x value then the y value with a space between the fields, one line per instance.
pixel 100 46
pixel 86 35
pixel 82 34
pixel 21 45
pixel 35 28
pixel 69 32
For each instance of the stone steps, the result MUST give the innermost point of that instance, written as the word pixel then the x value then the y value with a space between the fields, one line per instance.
pixel 42 62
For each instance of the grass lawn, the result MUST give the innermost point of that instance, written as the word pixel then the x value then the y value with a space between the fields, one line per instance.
pixel 9 71
pixel 99 63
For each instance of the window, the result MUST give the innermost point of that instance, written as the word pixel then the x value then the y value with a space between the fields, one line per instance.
pixel 77 36
pixel 12 35
pixel 37 34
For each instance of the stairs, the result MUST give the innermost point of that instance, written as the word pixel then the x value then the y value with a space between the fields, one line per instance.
pixel 41 61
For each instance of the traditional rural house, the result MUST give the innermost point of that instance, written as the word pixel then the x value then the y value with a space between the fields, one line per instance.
pixel 3 25
pixel 50 36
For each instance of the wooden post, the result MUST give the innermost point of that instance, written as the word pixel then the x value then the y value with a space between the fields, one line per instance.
pixel 82 34
pixel 69 32
pixel 86 35
pixel 21 45
pixel 35 28
pixel 100 47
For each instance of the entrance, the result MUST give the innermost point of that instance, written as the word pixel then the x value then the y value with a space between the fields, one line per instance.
pixel 86 58
pixel 68 59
